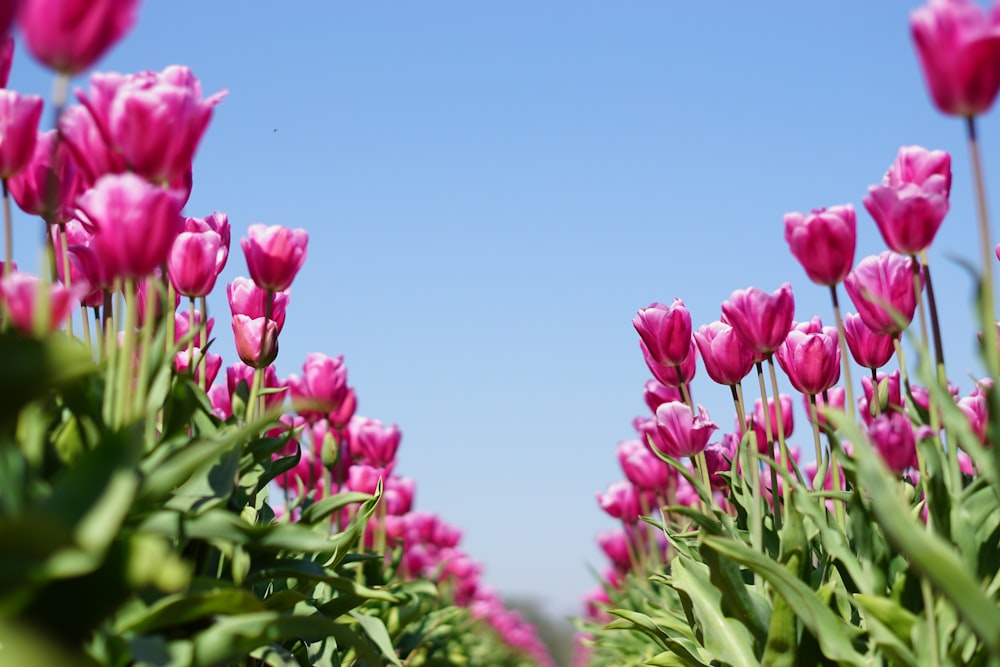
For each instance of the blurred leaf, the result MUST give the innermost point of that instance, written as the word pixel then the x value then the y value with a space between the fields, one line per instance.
pixel 186 607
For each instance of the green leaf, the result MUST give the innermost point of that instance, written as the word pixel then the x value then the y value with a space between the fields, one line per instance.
pixel 186 607
pixel 233 637
pixel 376 631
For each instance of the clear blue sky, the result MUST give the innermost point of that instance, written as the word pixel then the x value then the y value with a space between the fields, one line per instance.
pixel 493 188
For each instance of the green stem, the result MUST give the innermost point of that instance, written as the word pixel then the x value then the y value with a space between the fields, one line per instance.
pixel 770 445
pixel 988 310
pixel 876 399
pixel 748 455
pixel 845 357
pixel 203 343
pixel 67 274
pixel 782 447
pixel 145 345
pixel 126 367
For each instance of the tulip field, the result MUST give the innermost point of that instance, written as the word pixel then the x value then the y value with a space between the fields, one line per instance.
pixel 161 505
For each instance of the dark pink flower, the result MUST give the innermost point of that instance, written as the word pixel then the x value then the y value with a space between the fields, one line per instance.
pixel 218 223
pixel 134 222
pixel 22 296
pixel 892 436
pixel 213 363
pixel 912 200
pixel 192 262
pixel 760 319
pixel 882 290
pixel 889 395
pixel 719 457
pixel 837 397
pixel 397 494
pixel 811 358
pixel 30 187
pixel 242 374
pixel 683 433
pixel 642 467
pixel 182 324
pixel 372 441
pixel 322 388
pixel 958 44
pixel 19 116
pixel 274 255
pixel 621 501
pixel 245 298
pixel 7 8
pixel 365 478
pixel 823 241
pixel 726 357
pixel 218 396
pixel 759 425
pixel 614 544
pixel 977 410
pixel 256 340
pixel 71 35
pixel 671 376
pixel 665 331
pixel 656 393
pixel 868 348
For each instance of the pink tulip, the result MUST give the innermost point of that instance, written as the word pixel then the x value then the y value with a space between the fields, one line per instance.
pixel 22 296
pixel 823 242
pixel 154 119
pixel 6 42
pixel 835 399
pixel 683 433
pixel 256 340
pixel 666 332
pixel 322 389
pixel 341 417
pixel 19 116
pixel 218 396
pixel 868 348
pixel 213 363
pixel 656 393
pixel 135 223
pixel 647 431
pixel 621 501
pixel 726 357
pixel 614 544
pixel 182 324
pixel 759 425
pixel 977 410
pixel 372 441
pixel 30 187
pixel 958 45
pixel 810 358
pixel 642 467
pixel 892 436
pixel 241 373
pixel 274 255
pixel 890 396
pixel 912 200
pixel 245 298
pixel 218 223
pixel 760 319
pixel 191 263
pixel 879 287
pixel 71 35
pixel 671 376
pixel 364 478
pixel 398 494
pixel 719 457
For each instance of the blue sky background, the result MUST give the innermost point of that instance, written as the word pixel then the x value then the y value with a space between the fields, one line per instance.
pixel 493 188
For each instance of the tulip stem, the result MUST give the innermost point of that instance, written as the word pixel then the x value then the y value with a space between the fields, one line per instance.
pixel 127 366
pixel 8 232
pixel 254 398
pixel 814 420
pixel 202 344
pixel 85 320
pixel 145 343
pixel 876 401
pixel 170 344
pixel 770 442
pixel 917 289
pixel 845 357
pixel 902 364
pixel 748 460
pixel 988 310
pixel 935 322
pixel 782 448
pixel 702 465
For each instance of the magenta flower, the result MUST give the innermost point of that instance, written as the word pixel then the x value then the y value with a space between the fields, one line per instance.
pixel 19 115
pixel 912 200
pixel 213 363
pixel 760 319
pixel 642 467
pixel 30 187
pixel 823 242
pixel 656 393
pixel 759 425
pixel 397 493
pixel 321 389
pixel 719 457
pixel 958 45
pixel 241 373
pixel 892 436
pixel 20 294
pixel 890 397
pixel 218 223
pixel 665 331
pixel 614 544
pixel 683 433
pixel 726 357
pixel 134 222
pixel 7 9
pixel 71 35
pixel 868 348
pixel 192 262
pixel 222 407
pixel 256 340
pixel 371 440
pixel 274 255
pixel 977 410
pixel 364 478
pixel 245 298
pixel 881 287
pixel 810 358
pixel 341 417
pixel 837 397
pixel 155 120
pixel 621 501
pixel 671 376
pixel 182 324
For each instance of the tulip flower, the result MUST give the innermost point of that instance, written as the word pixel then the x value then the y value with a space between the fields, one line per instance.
pixel 810 358
pixel 642 467
pixel 256 340
pixel 958 44
pixel 835 398
pixel 213 363
pixel 726 357
pixel 321 389
pixel 6 42
pixel 823 242
pixel 241 373
pixel 218 223
pixel 155 120
pixel 35 308
pixel 719 457
pixel 683 433
pixel 245 298
pixel 397 493
pixel 759 425
pixel 893 437
pixel 88 146
pixel 656 393
pixel 71 35
pixel 218 396
pixel 868 348
pixel 19 116
pixel 760 319
pixel 30 187
pixel 665 331
pixel 192 262
pixel 364 478
pixel 182 324
pixel 912 200
pixel 881 288
pixel 372 441
pixel 134 222
pixel 614 544
pixel 671 376
pixel 274 255
pixel 885 388
pixel 647 431
pixel 621 501
pixel 977 410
